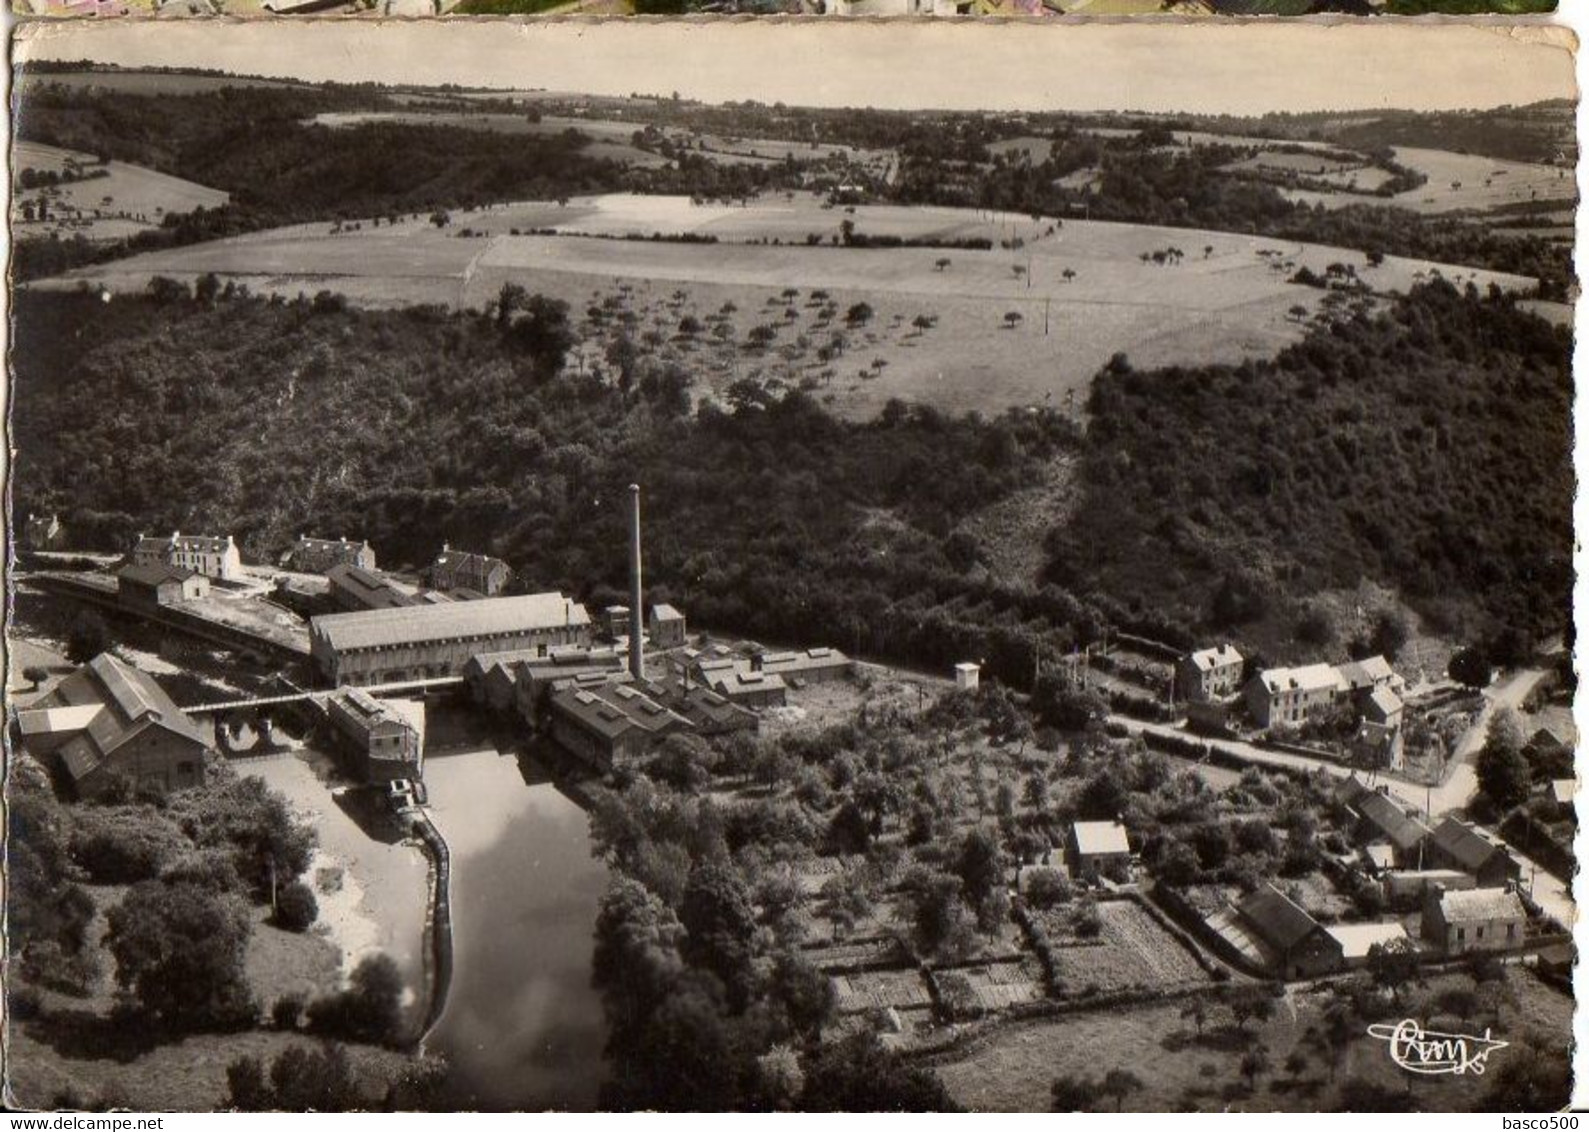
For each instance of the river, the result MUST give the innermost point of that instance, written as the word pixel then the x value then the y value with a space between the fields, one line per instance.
pixel 522 1027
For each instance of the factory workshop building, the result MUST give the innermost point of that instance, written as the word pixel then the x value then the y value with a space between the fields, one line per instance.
pixel 148 588
pixel 607 724
pixel 383 744
pixel 383 646
pixel 109 723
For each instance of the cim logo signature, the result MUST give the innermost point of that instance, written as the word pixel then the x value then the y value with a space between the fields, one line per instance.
pixel 1429 1051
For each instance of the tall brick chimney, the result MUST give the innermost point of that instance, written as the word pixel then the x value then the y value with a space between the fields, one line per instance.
pixel 637 650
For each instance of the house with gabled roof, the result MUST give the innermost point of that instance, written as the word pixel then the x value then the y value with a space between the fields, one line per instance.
pixel 1209 674
pixel 462 570
pixel 1370 673
pixel 108 724
pixel 1098 847
pixel 147 588
pixel 1296 945
pixel 214 556
pixel 317 555
pixel 1381 821
pixel 1475 919
pixel 1455 844
pixel 666 627
pixel 1290 696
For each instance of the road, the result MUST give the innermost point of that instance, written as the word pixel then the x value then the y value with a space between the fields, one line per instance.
pixel 1461 782
pixel 1460 785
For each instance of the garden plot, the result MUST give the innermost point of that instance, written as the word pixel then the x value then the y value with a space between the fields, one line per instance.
pixel 879 990
pixel 1132 951
pixel 996 986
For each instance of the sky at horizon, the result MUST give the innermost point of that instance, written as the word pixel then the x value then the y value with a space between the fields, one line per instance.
pixel 1203 67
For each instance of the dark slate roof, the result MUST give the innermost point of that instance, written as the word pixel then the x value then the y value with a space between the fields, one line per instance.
pixel 1390 820
pixel 464 560
pixel 372 589
pixel 1463 844
pixel 135 702
pixel 154 574
pixel 1278 919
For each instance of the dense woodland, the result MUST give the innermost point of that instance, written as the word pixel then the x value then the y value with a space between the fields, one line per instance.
pixel 1426 448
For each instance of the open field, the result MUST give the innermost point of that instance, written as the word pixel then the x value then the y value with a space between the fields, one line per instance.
pixel 1358 176
pixel 77 1048
pixel 147 82
pixel 1011 1070
pixel 1461 182
pixel 128 199
pixel 1228 298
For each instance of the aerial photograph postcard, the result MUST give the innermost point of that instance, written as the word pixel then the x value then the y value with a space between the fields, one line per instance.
pixel 800 567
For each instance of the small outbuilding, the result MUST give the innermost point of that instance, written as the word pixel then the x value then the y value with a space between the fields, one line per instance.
pixel 149 587
pixel 1098 848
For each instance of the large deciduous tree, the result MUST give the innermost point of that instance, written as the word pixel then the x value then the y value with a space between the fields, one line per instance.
pixel 180 950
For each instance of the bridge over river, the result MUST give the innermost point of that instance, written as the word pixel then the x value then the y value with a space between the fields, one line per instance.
pixel 257 703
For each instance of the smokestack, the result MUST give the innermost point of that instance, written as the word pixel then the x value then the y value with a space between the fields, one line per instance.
pixel 637 650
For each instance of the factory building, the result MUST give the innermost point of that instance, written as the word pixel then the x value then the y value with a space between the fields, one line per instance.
pixel 383 741
pixel 608 724
pixel 354 588
pixel 382 646
pixel 108 724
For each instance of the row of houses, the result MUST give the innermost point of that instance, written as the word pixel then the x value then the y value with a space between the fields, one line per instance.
pixel 217 556
pixel 1293 944
pixel 1291 695
pixel 1394 841
pixel 1462 883
pixel 1211 679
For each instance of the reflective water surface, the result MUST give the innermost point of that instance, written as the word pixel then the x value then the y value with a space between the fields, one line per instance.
pixel 523 1028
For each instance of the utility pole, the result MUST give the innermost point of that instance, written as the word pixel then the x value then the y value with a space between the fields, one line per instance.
pixel 1047 301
